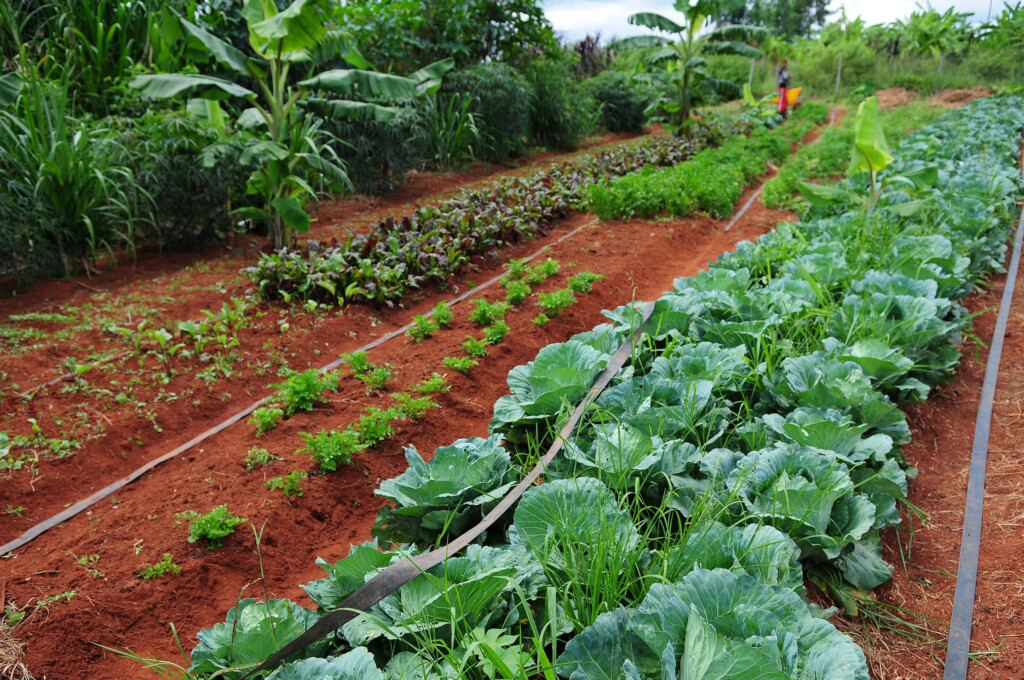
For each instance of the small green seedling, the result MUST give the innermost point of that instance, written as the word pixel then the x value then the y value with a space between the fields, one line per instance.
pixel 583 282
pixel 475 347
pixel 496 332
pixel 160 569
pixel 516 292
pixel 462 364
pixel 443 314
pixel 258 456
pixel 435 384
pixel 289 484
pixel 265 419
pixel 422 328
pixel 375 425
pixel 554 302
pixel 331 448
pixel 212 527
pixel 412 407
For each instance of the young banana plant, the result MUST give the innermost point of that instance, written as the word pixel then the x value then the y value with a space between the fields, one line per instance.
pixel 683 59
pixel 283 149
pixel 870 153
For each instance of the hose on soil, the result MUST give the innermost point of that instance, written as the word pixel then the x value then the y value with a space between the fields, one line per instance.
pixel 962 619
pixel 400 573
pixel 86 503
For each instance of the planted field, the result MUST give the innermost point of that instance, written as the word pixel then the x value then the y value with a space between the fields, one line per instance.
pixel 376 340
pixel 754 424
pixel 283 471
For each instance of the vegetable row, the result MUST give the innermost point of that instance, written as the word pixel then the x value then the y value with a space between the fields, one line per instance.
pixel 434 243
pixel 752 442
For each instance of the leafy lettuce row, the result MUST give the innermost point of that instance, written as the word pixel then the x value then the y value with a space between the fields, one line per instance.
pixel 752 441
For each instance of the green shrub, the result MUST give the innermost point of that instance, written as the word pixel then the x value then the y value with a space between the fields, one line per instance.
pixel 501 108
pixel 622 106
pixel 377 154
pixel 561 114
pixel 331 448
pixel 66 192
pixel 186 201
pixel 212 527
pixel 462 364
pixel 449 132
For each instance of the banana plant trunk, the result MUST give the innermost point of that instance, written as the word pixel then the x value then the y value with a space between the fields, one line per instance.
pixel 687 73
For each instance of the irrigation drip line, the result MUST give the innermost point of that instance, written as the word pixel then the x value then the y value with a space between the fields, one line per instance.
pixel 397 575
pixel 86 503
pixel 71 374
pixel 746 206
pixel 962 619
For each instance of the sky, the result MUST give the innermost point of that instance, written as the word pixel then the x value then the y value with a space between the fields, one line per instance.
pixel 577 18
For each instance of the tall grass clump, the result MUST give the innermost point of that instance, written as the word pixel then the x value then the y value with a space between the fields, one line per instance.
pixel 561 113
pixel 65 190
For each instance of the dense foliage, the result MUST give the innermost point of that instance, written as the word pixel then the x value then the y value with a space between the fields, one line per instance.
pixel 710 183
pixel 434 243
pixel 621 104
pixel 500 105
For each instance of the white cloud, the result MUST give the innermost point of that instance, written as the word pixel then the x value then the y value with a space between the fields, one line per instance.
pixel 577 18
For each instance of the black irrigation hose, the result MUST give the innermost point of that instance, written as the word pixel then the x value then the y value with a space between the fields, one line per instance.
pixel 78 507
pixel 397 575
pixel 962 618
pixel 746 206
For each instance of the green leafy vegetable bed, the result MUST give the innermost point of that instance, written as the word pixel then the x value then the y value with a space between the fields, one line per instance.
pixel 711 182
pixel 752 442
pixel 434 243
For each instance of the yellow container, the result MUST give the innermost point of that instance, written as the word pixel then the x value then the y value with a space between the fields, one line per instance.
pixel 791 96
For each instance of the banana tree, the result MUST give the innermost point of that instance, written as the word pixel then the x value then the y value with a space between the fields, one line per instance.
pixel 683 58
pixel 929 32
pixel 870 153
pixel 295 38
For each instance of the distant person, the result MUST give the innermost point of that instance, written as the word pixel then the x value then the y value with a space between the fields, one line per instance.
pixel 784 88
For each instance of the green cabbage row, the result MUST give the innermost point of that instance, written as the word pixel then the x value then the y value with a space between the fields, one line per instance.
pixel 751 442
